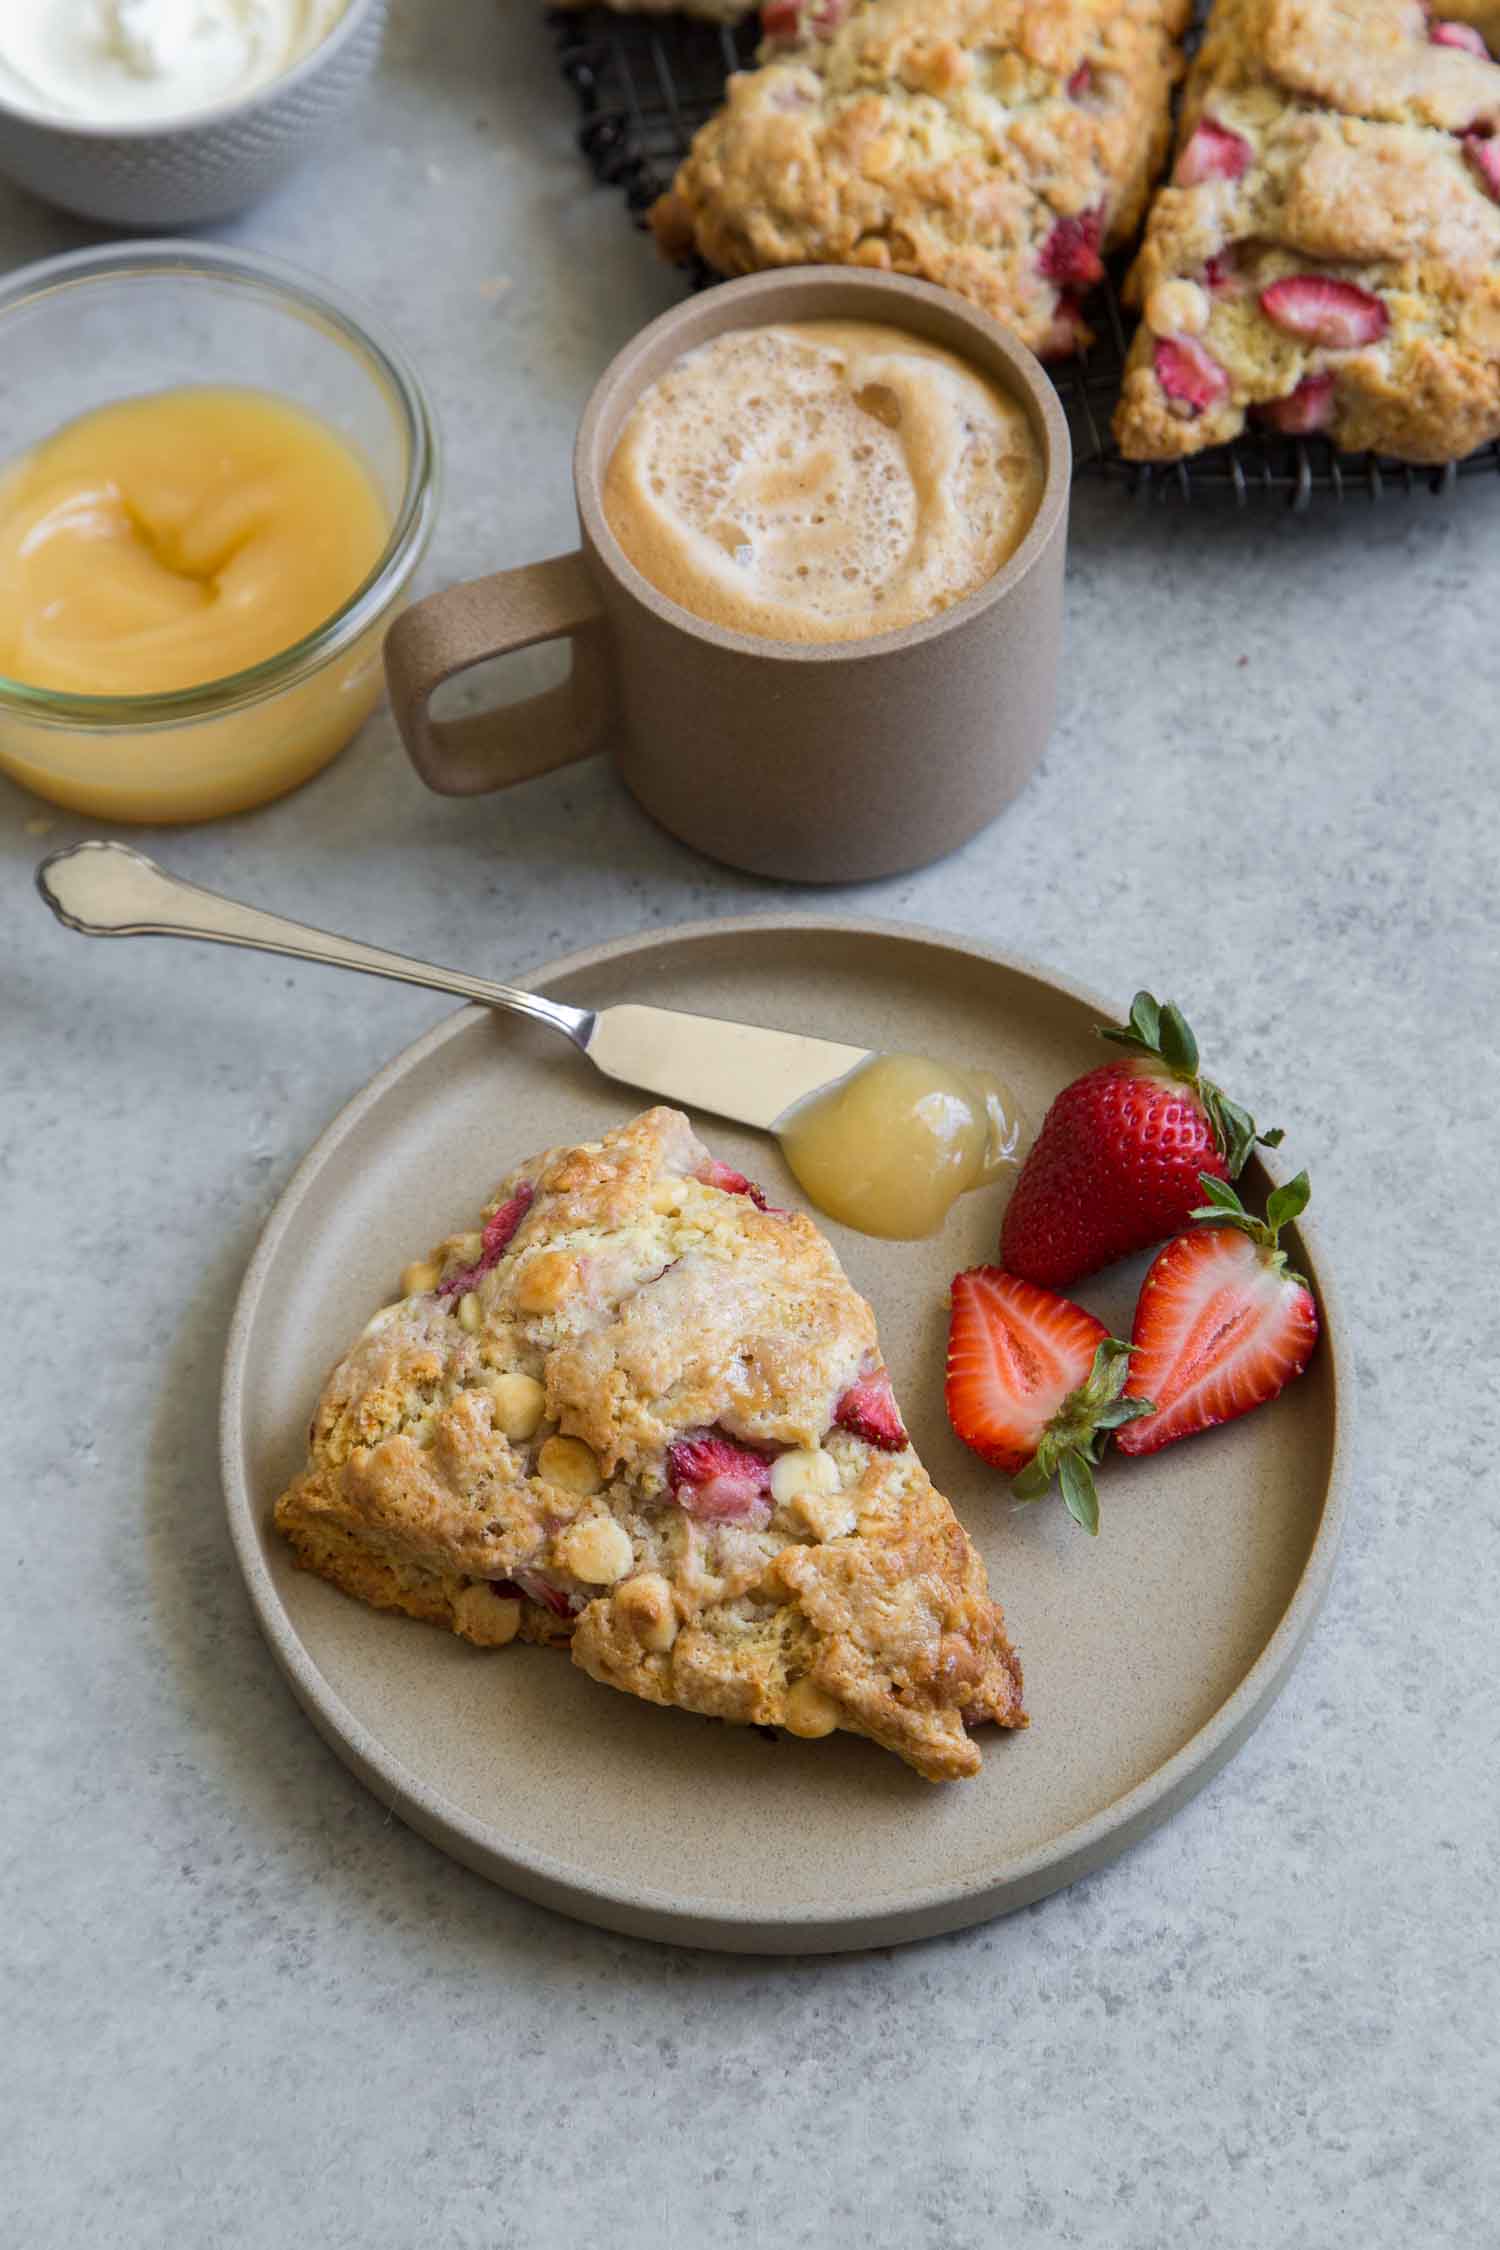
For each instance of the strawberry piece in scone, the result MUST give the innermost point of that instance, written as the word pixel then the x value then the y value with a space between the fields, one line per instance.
pixel 1306 409
pixel 1211 152
pixel 717 1481
pixel 1320 310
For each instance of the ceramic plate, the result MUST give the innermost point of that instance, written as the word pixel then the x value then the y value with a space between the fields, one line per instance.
pixel 1150 1652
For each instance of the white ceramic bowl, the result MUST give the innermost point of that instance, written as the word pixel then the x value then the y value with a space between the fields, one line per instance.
pixel 206 165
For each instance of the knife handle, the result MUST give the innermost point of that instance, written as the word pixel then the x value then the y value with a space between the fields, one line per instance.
pixel 108 890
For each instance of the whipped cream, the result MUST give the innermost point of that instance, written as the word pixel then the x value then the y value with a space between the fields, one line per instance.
pixel 118 62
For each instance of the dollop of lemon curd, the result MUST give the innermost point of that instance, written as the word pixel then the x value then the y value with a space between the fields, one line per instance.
pixel 177 538
pixel 890 1148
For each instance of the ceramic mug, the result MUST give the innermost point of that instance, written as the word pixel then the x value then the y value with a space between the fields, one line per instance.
pixel 819 762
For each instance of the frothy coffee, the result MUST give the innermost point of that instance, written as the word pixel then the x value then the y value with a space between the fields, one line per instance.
pixel 822 480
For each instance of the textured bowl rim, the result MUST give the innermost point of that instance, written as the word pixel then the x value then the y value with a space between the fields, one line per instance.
pixel 211 114
pixel 411 527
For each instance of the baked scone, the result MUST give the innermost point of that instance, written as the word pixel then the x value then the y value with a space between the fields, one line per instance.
pixel 1328 255
pixel 993 146
pixel 640 1414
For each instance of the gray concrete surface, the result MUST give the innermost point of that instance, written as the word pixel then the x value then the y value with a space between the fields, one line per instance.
pixel 243 2006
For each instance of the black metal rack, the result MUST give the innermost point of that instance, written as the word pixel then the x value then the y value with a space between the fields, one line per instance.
pixel 646 83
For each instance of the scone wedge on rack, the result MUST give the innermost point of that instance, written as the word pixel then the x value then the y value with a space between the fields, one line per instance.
pixel 997 147
pixel 1327 257
pixel 641 1415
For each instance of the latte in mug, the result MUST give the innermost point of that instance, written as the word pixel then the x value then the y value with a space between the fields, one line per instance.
pixel 822 480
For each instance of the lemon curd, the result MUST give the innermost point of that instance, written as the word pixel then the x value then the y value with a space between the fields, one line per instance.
pixel 176 539
pixel 890 1148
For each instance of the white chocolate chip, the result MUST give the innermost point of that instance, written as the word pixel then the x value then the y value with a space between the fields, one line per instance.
pixel 598 1550
pixel 646 1605
pixel 809 1712
pixel 421 1276
pixel 822 1515
pixel 1178 308
pixel 545 1281
pixel 469 1249
pixel 1479 326
pixel 518 1402
pixel 795 1473
pixel 469 1314
pixel 482 1615
pixel 568 1462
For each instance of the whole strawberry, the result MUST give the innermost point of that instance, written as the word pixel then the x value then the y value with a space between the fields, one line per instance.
pixel 1116 1165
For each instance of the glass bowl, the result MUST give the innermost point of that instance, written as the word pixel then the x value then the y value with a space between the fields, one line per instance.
pixel 80 332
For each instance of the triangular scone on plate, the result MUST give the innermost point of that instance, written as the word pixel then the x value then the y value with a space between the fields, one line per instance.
pixel 641 1414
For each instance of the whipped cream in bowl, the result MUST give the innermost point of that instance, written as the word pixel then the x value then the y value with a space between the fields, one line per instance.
pixel 139 62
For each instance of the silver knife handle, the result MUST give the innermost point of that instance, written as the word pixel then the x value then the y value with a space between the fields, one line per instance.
pixel 107 890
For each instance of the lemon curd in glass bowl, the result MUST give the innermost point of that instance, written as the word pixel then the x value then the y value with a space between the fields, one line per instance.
pixel 207 452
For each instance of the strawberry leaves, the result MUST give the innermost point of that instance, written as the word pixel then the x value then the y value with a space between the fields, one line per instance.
pixel 1073 1442
pixel 1159 1030
pixel 1284 1204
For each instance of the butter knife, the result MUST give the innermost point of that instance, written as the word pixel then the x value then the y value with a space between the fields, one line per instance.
pixel 735 1070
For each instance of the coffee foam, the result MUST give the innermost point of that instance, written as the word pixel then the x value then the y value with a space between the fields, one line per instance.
pixel 822 480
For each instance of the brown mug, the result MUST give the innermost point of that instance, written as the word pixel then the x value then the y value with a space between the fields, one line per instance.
pixel 821 762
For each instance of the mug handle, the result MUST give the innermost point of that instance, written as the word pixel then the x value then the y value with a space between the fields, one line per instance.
pixel 448 633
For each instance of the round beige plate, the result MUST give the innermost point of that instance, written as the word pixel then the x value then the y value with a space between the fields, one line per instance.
pixel 1150 1652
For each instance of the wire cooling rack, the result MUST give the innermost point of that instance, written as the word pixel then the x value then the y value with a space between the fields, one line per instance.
pixel 646 83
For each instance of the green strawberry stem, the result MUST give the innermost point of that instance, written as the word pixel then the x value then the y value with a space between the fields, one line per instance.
pixel 1160 1030
pixel 1283 1205
pixel 1073 1442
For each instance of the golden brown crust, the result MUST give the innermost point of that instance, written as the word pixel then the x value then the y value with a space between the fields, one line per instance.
pixel 495 1456
pixel 1359 167
pixel 942 138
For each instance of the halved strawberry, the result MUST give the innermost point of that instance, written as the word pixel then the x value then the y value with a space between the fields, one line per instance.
pixel 499 1231
pixel 1222 1323
pixel 1484 158
pixel 715 1174
pixel 868 1410
pixel 1322 310
pixel 1116 1165
pixel 1211 152
pixel 1309 407
pixel 1070 254
pixel 1443 34
pixel 1191 377
pixel 716 1480
pixel 1034 1385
